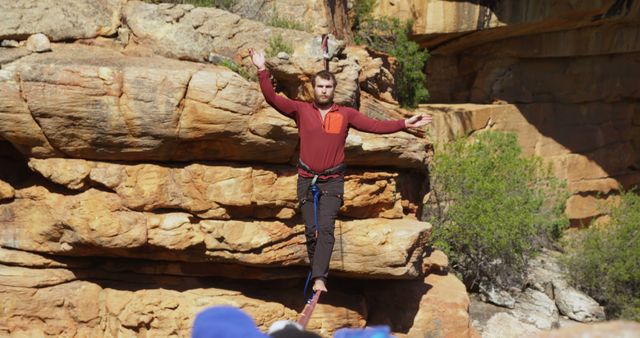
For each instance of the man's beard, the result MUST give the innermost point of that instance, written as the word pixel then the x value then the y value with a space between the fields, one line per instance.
pixel 320 101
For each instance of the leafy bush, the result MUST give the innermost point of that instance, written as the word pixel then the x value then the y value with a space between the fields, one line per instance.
pixel 391 36
pixel 277 44
pixel 604 260
pixel 492 208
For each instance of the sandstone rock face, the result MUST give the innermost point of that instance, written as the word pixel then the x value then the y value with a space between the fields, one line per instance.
pixel 138 108
pixel 140 183
pixel 219 191
pixel 194 219
pixel 95 222
pixel 60 20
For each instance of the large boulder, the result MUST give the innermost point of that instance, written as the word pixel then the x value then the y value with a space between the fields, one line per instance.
pixel 575 304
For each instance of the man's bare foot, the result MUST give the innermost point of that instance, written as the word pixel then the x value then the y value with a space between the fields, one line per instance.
pixel 318 285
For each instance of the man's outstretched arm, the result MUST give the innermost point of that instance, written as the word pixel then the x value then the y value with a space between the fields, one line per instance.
pixel 285 106
pixel 367 124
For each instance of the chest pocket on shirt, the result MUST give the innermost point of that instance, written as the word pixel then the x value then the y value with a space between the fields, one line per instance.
pixel 333 123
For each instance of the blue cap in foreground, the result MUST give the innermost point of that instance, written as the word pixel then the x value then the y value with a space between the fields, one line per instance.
pixel 224 322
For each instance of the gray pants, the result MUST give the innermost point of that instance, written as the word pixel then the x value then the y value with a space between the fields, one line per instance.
pixel 319 249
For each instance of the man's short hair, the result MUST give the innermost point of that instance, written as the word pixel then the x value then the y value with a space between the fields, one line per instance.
pixel 325 75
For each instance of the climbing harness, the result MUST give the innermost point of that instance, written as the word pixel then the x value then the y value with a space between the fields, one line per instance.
pixel 339 169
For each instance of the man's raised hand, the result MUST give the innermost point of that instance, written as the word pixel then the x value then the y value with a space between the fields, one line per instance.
pixel 417 121
pixel 257 58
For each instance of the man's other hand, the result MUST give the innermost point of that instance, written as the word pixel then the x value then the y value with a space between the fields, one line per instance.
pixel 257 58
pixel 417 121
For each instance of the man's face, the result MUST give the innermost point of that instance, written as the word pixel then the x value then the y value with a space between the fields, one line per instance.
pixel 323 91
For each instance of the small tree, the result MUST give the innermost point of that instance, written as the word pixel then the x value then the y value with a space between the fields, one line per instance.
pixel 604 260
pixel 492 208
pixel 391 36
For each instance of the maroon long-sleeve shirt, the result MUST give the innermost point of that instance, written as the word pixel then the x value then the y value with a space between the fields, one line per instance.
pixel 322 142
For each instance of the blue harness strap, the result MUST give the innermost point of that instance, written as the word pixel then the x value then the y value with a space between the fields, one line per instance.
pixel 315 190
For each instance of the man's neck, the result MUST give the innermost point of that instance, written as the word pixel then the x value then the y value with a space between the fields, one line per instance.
pixel 324 107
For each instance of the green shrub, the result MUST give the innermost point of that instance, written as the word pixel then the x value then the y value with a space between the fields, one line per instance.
pixel 277 44
pixel 604 260
pixel 492 209
pixel 391 36
pixel 239 69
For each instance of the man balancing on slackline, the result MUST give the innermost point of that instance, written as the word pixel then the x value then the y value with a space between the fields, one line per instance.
pixel 322 128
